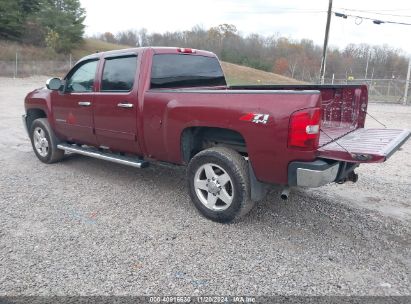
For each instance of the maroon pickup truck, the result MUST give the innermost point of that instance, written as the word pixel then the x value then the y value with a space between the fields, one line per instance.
pixel 173 105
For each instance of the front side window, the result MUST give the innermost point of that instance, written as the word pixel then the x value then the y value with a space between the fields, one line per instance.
pixel 177 70
pixel 118 74
pixel 82 79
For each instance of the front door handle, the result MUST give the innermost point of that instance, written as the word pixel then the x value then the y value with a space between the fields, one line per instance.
pixel 84 103
pixel 125 105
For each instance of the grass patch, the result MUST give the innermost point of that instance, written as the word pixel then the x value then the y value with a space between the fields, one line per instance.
pixel 237 74
pixel 8 51
pixel 90 46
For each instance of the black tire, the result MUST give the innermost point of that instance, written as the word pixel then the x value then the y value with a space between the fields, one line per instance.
pixel 236 167
pixel 52 154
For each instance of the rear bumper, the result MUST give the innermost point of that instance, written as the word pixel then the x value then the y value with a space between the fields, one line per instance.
pixel 318 173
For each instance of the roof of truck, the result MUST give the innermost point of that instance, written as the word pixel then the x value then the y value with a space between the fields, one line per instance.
pixel 157 50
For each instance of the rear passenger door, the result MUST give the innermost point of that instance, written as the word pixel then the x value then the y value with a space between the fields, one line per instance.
pixel 115 105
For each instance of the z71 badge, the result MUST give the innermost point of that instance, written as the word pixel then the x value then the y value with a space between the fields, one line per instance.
pixel 255 118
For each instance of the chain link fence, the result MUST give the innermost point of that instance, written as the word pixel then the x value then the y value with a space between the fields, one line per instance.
pixel 379 90
pixel 26 68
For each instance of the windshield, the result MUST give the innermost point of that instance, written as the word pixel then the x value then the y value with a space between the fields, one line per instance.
pixel 178 70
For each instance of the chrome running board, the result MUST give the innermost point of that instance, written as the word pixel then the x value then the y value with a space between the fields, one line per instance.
pixel 93 152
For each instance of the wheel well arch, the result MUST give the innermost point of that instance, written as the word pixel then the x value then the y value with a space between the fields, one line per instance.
pixel 33 114
pixel 196 139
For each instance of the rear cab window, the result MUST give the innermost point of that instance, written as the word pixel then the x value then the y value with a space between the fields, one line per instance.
pixel 119 74
pixel 182 71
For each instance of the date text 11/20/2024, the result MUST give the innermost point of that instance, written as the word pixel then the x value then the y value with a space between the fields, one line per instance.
pixel 202 299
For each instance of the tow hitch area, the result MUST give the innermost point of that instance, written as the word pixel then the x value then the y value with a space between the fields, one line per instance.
pixel 351 177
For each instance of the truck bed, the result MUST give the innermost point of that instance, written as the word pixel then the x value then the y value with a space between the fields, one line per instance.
pixel 342 135
pixel 343 106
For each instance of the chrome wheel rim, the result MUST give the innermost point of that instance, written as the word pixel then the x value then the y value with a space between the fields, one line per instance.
pixel 40 142
pixel 214 187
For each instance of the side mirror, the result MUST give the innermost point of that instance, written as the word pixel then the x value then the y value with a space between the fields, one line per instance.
pixel 54 84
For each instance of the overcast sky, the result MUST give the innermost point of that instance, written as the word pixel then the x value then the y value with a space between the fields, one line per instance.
pixel 293 18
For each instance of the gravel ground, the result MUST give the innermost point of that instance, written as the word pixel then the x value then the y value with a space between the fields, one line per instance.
pixel 89 227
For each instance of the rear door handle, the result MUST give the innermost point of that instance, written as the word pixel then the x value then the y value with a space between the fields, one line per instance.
pixel 84 103
pixel 125 105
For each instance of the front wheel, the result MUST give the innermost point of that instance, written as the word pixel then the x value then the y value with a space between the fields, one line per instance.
pixel 219 184
pixel 44 142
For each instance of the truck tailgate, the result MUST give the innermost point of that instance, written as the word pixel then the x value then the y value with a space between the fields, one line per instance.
pixel 364 145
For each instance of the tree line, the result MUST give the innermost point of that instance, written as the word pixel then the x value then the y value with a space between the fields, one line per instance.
pixel 299 59
pixel 57 24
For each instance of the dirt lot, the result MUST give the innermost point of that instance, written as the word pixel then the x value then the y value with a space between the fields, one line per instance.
pixel 88 227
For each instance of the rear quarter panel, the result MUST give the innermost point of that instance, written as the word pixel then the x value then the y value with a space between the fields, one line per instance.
pixel 168 112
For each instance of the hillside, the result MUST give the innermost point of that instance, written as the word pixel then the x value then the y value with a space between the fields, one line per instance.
pixel 30 55
pixel 92 45
pixel 238 74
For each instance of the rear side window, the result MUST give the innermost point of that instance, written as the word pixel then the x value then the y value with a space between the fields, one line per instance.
pixel 177 70
pixel 118 74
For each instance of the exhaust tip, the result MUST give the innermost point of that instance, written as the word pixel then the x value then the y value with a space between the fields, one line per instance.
pixel 284 197
pixel 285 193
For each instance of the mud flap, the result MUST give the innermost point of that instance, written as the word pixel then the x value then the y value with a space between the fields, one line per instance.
pixel 258 189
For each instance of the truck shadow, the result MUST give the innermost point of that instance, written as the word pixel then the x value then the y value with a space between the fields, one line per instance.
pixel 306 224
pixel 303 210
pixel 147 213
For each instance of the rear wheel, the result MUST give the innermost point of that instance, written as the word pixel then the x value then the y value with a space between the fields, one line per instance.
pixel 44 142
pixel 219 184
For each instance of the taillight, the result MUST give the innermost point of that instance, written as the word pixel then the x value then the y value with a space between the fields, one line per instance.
pixel 186 50
pixel 304 130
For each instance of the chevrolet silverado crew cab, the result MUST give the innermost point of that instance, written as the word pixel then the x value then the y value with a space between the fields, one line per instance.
pixel 141 105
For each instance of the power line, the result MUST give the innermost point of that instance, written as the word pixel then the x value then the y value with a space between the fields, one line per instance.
pixel 375 13
pixel 274 10
pixel 374 20
pixel 278 12
pixel 383 10
pixel 283 8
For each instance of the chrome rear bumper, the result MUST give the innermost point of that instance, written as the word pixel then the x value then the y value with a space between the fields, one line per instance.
pixel 316 178
pixel 317 173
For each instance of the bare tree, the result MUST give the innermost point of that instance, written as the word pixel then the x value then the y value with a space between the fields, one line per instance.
pixel 295 58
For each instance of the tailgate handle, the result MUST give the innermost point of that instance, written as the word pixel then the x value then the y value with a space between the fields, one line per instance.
pixel 84 103
pixel 125 105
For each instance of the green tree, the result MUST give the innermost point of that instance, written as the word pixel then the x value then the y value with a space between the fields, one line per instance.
pixel 62 19
pixel 28 7
pixel 52 39
pixel 11 20
pixel 13 15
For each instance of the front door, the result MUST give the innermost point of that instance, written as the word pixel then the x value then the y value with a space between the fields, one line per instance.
pixel 73 108
pixel 115 105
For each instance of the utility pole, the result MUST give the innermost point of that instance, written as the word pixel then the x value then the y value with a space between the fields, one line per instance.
pixel 16 65
pixel 366 67
pixel 407 82
pixel 327 31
